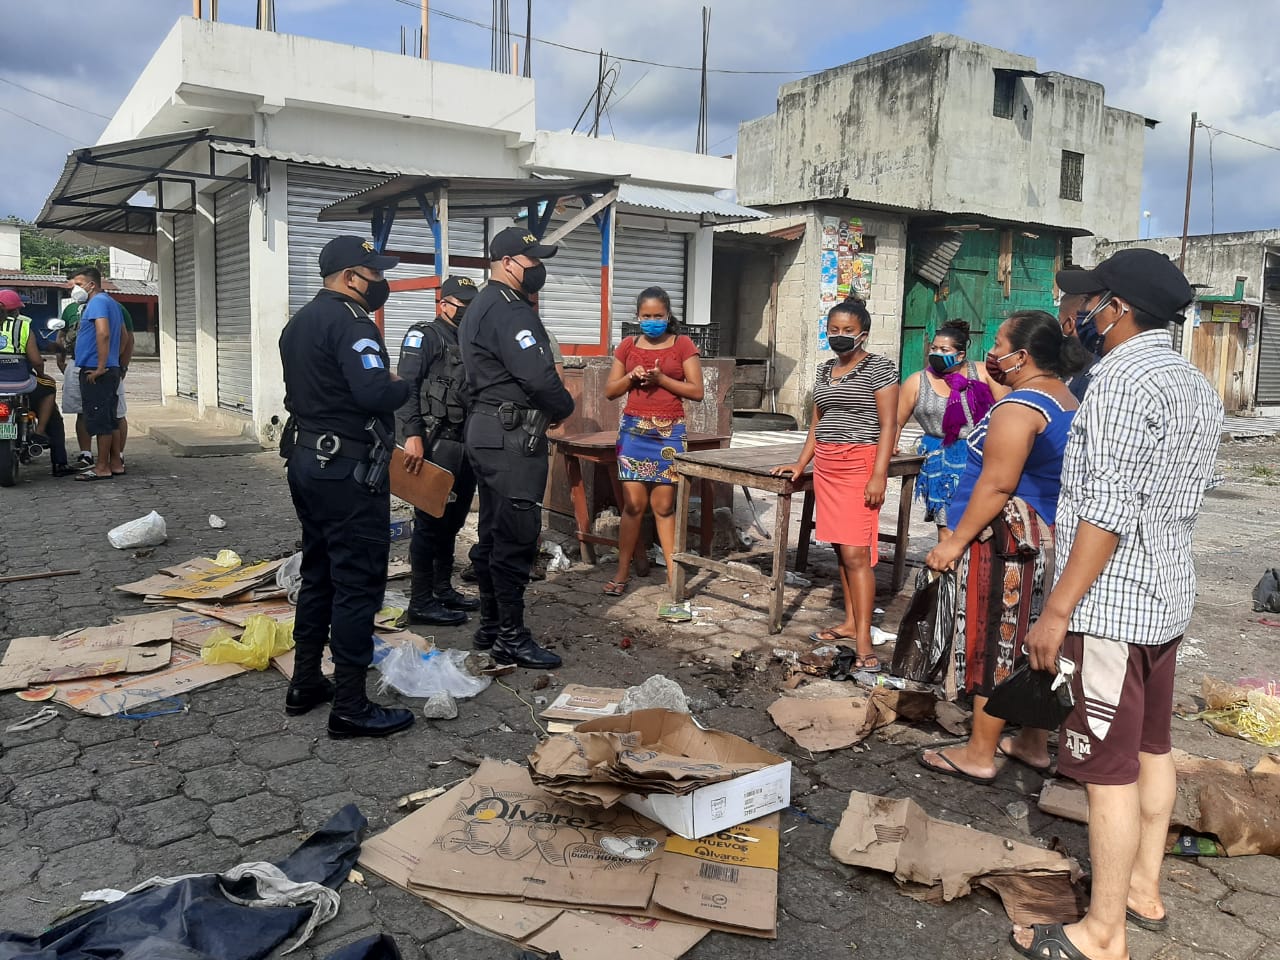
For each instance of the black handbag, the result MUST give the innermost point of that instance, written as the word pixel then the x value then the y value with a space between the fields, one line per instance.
pixel 1034 698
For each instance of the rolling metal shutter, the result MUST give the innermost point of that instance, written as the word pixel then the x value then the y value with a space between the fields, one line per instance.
pixel 313 188
pixel 570 302
pixel 234 318
pixel 1268 391
pixel 646 258
pixel 184 308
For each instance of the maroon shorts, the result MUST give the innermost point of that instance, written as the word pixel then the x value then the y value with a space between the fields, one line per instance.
pixel 1123 706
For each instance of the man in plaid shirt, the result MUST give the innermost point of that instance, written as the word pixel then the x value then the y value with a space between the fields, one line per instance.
pixel 1139 458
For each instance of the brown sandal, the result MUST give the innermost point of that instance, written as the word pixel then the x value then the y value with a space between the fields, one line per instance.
pixel 616 588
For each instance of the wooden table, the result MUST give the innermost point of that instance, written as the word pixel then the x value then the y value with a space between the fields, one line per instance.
pixel 750 467
pixel 602 448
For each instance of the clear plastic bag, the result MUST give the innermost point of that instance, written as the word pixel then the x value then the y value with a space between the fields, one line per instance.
pixel 148 531
pixel 409 671
pixel 263 638
pixel 289 577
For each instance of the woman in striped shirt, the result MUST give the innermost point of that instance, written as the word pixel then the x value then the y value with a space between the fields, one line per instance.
pixel 851 437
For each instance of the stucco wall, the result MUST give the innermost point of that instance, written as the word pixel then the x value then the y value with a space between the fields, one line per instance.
pixel 1214 261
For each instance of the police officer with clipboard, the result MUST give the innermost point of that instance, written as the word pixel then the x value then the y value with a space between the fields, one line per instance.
pixel 515 396
pixel 342 398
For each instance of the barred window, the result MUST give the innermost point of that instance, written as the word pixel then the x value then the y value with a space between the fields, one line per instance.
pixel 1072 183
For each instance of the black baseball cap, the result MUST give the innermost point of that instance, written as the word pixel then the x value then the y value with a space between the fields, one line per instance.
pixel 514 241
pixel 342 253
pixel 1147 279
pixel 463 288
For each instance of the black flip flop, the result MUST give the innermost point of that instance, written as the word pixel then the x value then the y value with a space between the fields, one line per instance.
pixel 1043 771
pixel 955 771
pixel 1048 942
pixel 1147 923
pixel 89 475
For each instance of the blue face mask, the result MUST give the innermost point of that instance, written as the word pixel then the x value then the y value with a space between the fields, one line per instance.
pixel 653 329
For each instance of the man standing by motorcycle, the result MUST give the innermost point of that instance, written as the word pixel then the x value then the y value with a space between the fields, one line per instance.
pixel 16 339
pixel 431 423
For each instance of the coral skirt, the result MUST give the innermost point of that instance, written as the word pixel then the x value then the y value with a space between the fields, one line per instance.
pixel 840 475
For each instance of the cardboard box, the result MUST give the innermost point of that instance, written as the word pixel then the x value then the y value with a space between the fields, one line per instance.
pixel 32 661
pixel 108 696
pixel 578 704
pixel 716 806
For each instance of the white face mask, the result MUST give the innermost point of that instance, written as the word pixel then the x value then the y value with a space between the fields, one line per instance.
pixel 80 295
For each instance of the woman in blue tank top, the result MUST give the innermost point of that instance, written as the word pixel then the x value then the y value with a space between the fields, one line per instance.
pixel 1000 537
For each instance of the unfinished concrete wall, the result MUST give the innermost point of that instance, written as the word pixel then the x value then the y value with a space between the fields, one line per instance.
pixel 755 160
pixel 1212 261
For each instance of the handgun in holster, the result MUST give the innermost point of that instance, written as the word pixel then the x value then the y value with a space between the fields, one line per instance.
pixel 535 429
pixel 372 473
pixel 288 438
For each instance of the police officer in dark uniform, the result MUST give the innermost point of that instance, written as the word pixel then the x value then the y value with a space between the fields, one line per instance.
pixel 516 395
pixel 431 423
pixel 337 382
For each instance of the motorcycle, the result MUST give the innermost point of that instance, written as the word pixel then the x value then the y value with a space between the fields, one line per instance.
pixel 17 419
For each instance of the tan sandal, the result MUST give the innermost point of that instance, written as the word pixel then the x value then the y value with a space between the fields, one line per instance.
pixel 616 588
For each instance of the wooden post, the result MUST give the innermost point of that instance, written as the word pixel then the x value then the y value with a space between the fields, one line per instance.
pixel 195 10
pixel 425 30
pixel 1186 210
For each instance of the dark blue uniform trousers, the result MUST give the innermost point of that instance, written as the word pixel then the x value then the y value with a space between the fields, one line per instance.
pixel 345 546
pixel 431 549
pixel 511 488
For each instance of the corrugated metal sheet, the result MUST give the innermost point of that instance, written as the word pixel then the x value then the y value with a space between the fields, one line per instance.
pixel 33 279
pixel 231 295
pixel 184 292
pixel 1268 389
pixel 933 252
pixel 133 288
pixel 686 204
pixel 646 258
pixel 334 163
pixel 311 189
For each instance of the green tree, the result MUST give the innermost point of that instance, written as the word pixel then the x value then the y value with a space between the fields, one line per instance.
pixel 42 252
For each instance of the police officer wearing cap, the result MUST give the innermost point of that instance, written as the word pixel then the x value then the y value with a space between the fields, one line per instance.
pixel 337 383
pixel 431 423
pixel 516 395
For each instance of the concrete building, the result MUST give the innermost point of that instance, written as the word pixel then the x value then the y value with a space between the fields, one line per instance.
pixel 1234 323
pixel 940 179
pixel 241 137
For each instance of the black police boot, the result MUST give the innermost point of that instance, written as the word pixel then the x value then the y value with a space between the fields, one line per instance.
pixel 355 715
pixel 442 587
pixel 489 628
pixel 309 688
pixel 515 643
pixel 425 608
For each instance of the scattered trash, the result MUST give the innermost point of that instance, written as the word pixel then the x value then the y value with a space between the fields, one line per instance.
pixel 1020 814
pixel 203 580
pixel 440 706
pixel 624 643
pixel 1237 711
pixel 953 718
pixel 412 801
pixel 227 558
pixel 262 639
pixel 836 722
pixel 880 637
pixel 148 531
pixel 37 694
pixel 395 599
pixel 401 530
pixel 577 704
pixel 1191 844
pixel 793 579
pixel 413 673
pixel 216 522
pixel 558 561
pixel 681 612
pixel 935 859
pixel 289 578
pixel 98 652
pixel 355 876
pixel 658 692
pixel 656 556
pixel 542 682
pixel 1266 595
pixel 38 719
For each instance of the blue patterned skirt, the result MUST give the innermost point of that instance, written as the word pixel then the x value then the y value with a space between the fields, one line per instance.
pixel 648 447
pixel 940 475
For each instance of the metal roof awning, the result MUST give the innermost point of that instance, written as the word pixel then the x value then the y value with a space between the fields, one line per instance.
pixel 706 208
pixel 315 160
pixel 92 196
pixel 470 198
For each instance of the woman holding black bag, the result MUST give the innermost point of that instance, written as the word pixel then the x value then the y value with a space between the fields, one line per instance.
pixel 1002 518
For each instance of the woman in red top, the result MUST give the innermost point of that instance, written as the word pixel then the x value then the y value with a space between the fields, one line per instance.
pixel 658 371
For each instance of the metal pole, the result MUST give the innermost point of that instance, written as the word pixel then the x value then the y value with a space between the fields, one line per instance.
pixel 595 125
pixel 425 38
pixel 195 9
pixel 528 39
pixel 1186 212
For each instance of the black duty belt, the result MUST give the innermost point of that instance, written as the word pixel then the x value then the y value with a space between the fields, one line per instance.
pixel 330 444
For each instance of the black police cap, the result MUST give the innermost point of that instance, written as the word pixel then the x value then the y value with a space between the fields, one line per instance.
pixel 461 288
pixel 345 252
pixel 1147 279
pixel 514 241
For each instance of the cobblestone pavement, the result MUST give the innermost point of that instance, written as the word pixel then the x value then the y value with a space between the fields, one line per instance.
pixel 90 802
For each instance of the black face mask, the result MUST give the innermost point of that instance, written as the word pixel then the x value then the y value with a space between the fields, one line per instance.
pixel 458 313
pixel 375 293
pixel 533 279
pixel 942 363
pixel 843 343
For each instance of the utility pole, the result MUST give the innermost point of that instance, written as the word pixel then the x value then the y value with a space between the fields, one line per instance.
pixel 1186 212
pixel 701 146
pixel 425 41
pixel 528 38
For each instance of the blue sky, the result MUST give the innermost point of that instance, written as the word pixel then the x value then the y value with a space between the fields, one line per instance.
pixel 1163 58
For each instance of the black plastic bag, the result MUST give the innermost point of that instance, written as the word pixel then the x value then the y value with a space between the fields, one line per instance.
pixel 924 636
pixel 192 919
pixel 1266 595
pixel 1026 697
pixel 380 946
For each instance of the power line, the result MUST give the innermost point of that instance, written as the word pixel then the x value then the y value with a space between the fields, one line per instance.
pixel 14 83
pixel 1256 143
pixel 435 11
pixel 37 123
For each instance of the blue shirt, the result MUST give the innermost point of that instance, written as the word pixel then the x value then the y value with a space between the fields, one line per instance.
pixel 1041 478
pixel 99 305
